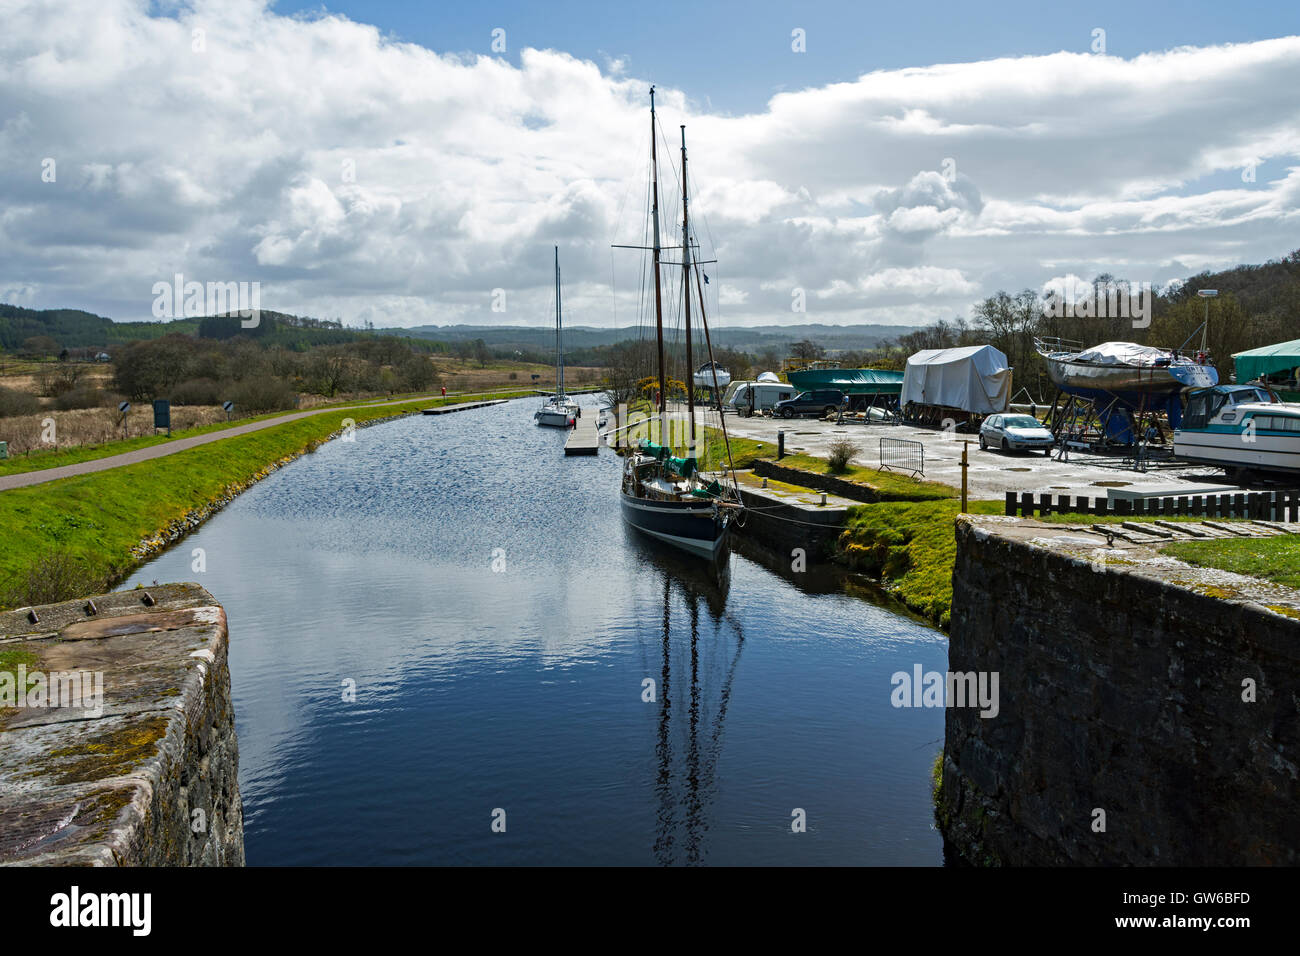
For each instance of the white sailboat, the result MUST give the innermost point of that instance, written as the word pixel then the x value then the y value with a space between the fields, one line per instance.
pixel 559 411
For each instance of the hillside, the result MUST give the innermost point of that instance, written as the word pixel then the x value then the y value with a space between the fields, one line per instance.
pixel 744 338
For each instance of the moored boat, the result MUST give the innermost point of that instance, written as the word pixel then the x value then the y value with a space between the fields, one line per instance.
pixel 663 496
pixel 558 411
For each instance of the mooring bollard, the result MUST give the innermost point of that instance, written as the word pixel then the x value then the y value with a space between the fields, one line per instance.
pixel 780 444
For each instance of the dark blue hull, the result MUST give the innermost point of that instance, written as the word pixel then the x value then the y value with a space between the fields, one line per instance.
pixel 693 526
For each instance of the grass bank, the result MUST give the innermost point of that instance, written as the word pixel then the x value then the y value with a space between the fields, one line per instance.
pixel 912 547
pixel 1274 559
pixel 83 534
pixel 75 454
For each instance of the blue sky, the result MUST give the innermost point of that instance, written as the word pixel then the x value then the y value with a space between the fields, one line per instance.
pixel 733 56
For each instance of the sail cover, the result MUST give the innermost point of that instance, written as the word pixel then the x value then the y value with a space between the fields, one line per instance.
pixel 1123 353
pixel 974 379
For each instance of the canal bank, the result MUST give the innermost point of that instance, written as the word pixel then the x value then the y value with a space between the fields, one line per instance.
pixel 83 534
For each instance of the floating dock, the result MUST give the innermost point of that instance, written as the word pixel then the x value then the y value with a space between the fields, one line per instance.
pixel 584 439
pixel 463 407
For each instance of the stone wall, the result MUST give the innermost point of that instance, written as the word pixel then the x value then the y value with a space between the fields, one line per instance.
pixel 810 479
pixel 147 773
pixel 1121 689
pixel 784 526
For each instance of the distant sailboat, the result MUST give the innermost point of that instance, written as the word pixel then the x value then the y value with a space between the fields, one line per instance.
pixel 664 496
pixel 559 410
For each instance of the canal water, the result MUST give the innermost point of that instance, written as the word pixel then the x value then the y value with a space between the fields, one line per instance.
pixel 505 633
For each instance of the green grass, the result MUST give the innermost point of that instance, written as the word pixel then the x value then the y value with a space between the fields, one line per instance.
pixel 95 520
pixel 1074 517
pixel 912 547
pixel 57 457
pixel 889 485
pixel 1275 559
pixel 12 655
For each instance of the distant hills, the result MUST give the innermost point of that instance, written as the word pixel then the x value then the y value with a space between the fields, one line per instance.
pixel 1268 294
pixel 74 328
pixel 744 338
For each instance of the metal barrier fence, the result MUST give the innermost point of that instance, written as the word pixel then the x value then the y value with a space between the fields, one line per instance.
pixel 1260 505
pixel 902 454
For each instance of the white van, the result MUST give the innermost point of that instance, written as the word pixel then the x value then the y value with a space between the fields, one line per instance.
pixel 764 395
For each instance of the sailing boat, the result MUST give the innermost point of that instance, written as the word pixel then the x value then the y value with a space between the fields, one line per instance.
pixel 664 496
pixel 559 410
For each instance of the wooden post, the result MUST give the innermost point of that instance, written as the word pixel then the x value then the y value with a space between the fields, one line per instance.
pixel 965 448
pixel 1011 504
pixel 1027 504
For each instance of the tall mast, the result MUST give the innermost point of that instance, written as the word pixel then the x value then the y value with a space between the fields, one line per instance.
pixel 559 337
pixel 659 306
pixel 686 301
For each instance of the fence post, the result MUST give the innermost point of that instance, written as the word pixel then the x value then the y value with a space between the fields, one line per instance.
pixel 1027 504
pixel 1011 504
pixel 1045 504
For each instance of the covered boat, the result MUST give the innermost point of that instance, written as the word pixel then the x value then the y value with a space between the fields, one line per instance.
pixel 1117 367
pixel 866 382
pixel 1277 366
pixel 974 380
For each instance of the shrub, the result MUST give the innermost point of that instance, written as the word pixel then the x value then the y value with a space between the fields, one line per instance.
pixel 83 396
pixel 54 576
pixel 197 391
pixel 256 396
pixel 841 452
pixel 14 402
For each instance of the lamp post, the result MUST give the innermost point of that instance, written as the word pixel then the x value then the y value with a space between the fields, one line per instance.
pixel 1207 295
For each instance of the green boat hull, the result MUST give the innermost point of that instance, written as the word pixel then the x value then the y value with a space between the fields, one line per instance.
pixel 850 381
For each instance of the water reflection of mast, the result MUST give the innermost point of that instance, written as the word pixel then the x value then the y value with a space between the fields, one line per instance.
pixel 701 763
pixel 664 750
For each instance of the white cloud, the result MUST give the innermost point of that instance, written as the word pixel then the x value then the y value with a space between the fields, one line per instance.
pixel 900 196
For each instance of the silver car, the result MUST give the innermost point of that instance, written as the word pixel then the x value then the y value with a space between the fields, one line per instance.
pixel 1015 433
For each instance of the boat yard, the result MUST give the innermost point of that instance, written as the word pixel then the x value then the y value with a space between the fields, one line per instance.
pixel 990 474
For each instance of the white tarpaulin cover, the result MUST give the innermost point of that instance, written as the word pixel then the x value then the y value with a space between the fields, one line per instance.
pixel 975 379
pixel 1122 353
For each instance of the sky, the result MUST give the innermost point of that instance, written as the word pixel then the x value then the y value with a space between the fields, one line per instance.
pixel 417 163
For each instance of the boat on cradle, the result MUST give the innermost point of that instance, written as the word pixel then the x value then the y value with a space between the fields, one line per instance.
pixel 711 375
pixel 1240 428
pixel 662 495
pixel 559 411
pixel 1116 367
